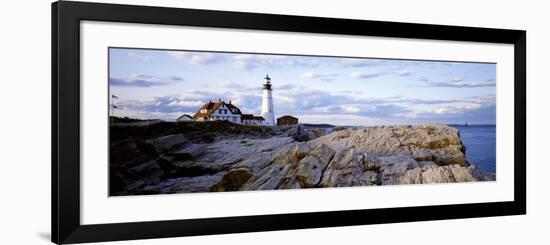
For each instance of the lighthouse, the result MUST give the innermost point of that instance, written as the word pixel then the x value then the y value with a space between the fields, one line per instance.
pixel 267 102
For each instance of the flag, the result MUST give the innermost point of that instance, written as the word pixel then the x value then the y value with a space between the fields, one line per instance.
pixel 114 106
pixel 114 96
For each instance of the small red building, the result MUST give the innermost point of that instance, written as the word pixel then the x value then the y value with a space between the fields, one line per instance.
pixel 287 120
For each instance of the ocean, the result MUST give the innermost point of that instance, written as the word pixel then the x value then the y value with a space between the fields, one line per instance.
pixel 480 142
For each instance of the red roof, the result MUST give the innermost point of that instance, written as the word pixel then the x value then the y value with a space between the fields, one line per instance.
pixel 287 117
pixel 211 107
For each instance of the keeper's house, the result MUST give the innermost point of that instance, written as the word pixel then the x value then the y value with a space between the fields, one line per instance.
pixel 218 111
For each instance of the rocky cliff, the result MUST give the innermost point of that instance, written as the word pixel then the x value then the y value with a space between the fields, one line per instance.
pixel 288 158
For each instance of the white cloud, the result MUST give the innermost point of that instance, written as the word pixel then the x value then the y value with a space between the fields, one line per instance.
pixel 191 103
pixel 207 58
pixel 177 54
pixel 196 58
pixel 321 76
pixel 403 73
pixel 408 115
pixel 350 109
pixel 332 108
pixel 358 62
pixel 363 75
pixel 251 61
pixel 457 109
pixel 137 57
pixel 368 75
pixel 461 82
pixel 142 80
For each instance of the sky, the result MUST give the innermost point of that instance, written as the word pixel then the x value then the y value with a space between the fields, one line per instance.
pixel 165 84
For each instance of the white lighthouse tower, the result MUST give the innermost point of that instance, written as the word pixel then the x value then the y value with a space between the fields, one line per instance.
pixel 267 102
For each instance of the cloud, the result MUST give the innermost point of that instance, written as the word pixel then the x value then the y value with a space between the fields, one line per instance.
pixel 358 62
pixel 320 102
pixel 308 62
pixel 461 82
pixel 321 76
pixel 363 75
pixel 286 87
pixel 423 79
pixel 242 89
pixel 141 80
pixel 402 73
pixel 266 61
pixel 484 100
pixel 476 113
pixel 302 102
pixel 477 109
pixel 170 107
pixel 245 61
pixel 417 101
pixel 233 85
pixel 457 109
pixel 164 105
pixel 197 58
pixel 137 57
pixel 252 61
pixel 396 109
pixel 204 59
pixel 177 54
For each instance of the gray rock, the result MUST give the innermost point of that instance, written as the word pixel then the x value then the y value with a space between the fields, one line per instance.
pixel 256 162
pixel 167 143
pixel 269 179
pixel 345 169
pixel 189 152
pixel 438 175
pixel 233 180
pixel 413 176
pixel 310 169
pixel 437 143
pixel 300 158
pixel 462 174
pixel 188 184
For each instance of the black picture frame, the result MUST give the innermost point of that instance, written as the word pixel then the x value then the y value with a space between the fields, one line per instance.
pixel 66 18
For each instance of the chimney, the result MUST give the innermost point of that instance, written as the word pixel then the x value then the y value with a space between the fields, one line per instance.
pixel 219 100
pixel 230 102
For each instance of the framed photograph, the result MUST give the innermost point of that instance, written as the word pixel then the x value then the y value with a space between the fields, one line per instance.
pixel 174 122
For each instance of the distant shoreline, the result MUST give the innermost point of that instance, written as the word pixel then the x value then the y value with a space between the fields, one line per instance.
pixel 471 125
